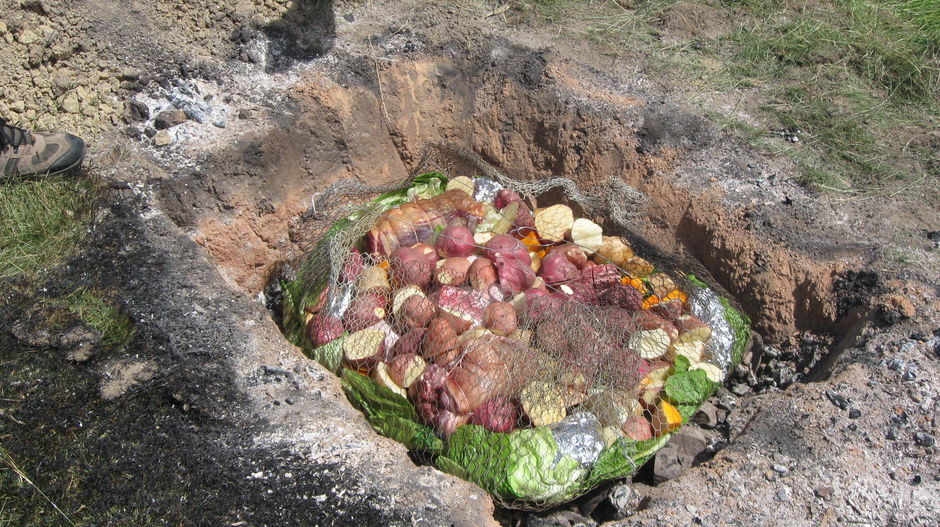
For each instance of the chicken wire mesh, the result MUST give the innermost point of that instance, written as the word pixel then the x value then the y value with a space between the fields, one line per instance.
pixel 509 331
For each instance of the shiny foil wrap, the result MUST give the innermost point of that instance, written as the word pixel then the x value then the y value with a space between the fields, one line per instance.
pixel 341 296
pixel 579 436
pixel 705 304
pixel 485 189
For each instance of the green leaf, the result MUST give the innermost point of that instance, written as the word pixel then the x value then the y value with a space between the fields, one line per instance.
pixel 688 387
pixel 330 355
pixel 415 436
pixel 480 456
pixel 682 364
pixel 375 401
pixel 624 457
pixel 687 411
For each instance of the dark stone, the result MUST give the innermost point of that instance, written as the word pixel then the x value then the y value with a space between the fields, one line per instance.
pixel 137 111
pixel 909 375
pixel 625 501
pixel 916 480
pixel 559 519
pixel 855 413
pixel 150 131
pixel 837 399
pixel 169 119
pixel 923 439
pixel 133 132
pixel 823 492
pixel 892 434
pixel 244 113
pixel 933 236
pixel 707 416
pixel 680 453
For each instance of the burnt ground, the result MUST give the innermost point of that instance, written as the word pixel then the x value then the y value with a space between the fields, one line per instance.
pixel 226 423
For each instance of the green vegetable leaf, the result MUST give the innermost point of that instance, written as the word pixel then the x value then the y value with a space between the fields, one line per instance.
pixel 375 401
pixel 330 355
pixel 682 364
pixel 422 186
pixel 415 436
pixel 688 387
pixel 624 457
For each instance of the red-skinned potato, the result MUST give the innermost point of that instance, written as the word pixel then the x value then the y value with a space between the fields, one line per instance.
pixel 556 268
pixel 364 348
pixel 671 310
pixel 572 253
pixel 462 307
pixel 498 414
pixel 411 267
pixel 416 312
pixel 504 197
pixel 440 343
pixel 405 369
pixel 452 271
pixel 482 274
pixel 455 241
pixel 646 320
pixel 514 276
pixel 410 342
pixel 427 251
pixel 507 247
pixel 323 328
pixel 364 311
pixel 623 296
pixel 500 318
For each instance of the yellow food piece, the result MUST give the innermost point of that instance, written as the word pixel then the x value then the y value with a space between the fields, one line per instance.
pixel 666 419
pixel 543 402
pixel 638 267
pixel 461 183
pixel 373 278
pixel 649 344
pixel 587 235
pixel 554 223
pixel 650 301
pixel 615 250
pixel 663 286
pixel 713 372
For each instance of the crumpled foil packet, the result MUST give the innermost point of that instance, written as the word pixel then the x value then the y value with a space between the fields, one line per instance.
pixel 706 305
pixel 340 298
pixel 485 189
pixel 579 436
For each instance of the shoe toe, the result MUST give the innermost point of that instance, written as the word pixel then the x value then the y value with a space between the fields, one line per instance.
pixel 72 157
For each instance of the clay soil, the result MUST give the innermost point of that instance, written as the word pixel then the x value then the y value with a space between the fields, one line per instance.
pixel 210 417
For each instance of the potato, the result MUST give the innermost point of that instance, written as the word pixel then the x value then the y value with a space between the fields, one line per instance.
pixel 416 312
pixel 692 329
pixel 500 318
pixel 398 299
pixel 380 374
pixel 556 268
pixel 364 311
pixel 543 402
pixel 554 223
pixel 649 344
pixel 587 235
pixel 462 308
pixel 613 249
pixel 427 251
pixel 455 241
pixel 440 343
pixel 498 414
pixel 514 276
pixel 406 369
pixel 613 407
pixel 411 267
pixel 373 278
pixel 508 247
pixel 364 348
pixel 482 274
pixel 453 271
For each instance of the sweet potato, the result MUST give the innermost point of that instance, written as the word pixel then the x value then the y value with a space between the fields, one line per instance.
pixel 440 343
pixel 623 296
pixel 380 374
pixel 427 251
pixel 401 295
pixel 637 428
pixel 410 342
pixel 406 369
pixel 462 308
pixel 373 278
pixel 364 348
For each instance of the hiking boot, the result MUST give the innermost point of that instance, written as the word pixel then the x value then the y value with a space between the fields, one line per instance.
pixel 24 154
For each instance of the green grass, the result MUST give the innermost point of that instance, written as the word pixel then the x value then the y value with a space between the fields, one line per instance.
pixel 115 327
pixel 41 222
pixel 860 78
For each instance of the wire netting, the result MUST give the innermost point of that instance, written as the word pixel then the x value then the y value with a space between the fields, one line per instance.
pixel 518 334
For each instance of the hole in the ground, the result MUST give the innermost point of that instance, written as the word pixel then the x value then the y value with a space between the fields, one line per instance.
pixel 534 118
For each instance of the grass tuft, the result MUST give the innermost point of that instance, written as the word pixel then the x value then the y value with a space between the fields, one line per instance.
pixel 115 327
pixel 41 222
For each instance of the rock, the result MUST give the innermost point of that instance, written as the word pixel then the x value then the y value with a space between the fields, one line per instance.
pixel 740 389
pixel 18 106
pixel 27 37
pixel 61 83
pixel 908 346
pixel 780 469
pixel 624 500
pixel 219 123
pixel 129 74
pixel 122 376
pixel 162 138
pixel 837 399
pixel 560 519
pixel 80 341
pixel 855 413
pixel 137 111
pixel 892 434
pixel 823 492
pixel 26 332
pixel 70 103
pixel 923 439
pixel 783 494
pixel 133 132
pixel 244 113
pixel 894 308
pixel 679 454
pixel 169 118
pixel 706 416
pixel 3 28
